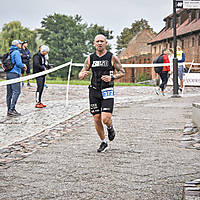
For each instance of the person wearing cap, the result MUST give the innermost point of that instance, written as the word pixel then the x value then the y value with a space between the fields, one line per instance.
pixel 39 65
pixel 26 56
pixel 14 90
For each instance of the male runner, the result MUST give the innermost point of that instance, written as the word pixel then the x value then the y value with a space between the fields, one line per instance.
pixel 101 90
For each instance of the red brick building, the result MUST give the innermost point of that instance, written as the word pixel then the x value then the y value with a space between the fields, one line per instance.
pixel 137 52
pixel 188 34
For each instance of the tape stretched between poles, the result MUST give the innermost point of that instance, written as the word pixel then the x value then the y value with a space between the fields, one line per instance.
pixel 16 80
pixel 143 65
pixel 7 82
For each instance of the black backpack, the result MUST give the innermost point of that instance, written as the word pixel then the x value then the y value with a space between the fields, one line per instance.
pixel 7 64
pixel 158 59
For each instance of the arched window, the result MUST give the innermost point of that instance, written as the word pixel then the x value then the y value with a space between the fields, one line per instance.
pixel 192 41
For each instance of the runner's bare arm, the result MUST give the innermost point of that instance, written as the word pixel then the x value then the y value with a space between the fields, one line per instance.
pixel 118 66
pixel 85 70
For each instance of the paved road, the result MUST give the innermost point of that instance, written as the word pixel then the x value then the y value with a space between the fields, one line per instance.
pixel 143 162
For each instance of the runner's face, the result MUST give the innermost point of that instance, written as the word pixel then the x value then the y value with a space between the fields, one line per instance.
pixel 100 43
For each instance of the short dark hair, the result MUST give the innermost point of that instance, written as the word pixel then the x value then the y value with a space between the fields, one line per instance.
pixel 163 51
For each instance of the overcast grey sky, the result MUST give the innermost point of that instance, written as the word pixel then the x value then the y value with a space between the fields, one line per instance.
pixel 112 14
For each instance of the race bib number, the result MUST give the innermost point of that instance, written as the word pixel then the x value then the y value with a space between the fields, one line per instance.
pixel 108 93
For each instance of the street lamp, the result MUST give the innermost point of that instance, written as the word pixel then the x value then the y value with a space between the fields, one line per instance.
pixel 175 60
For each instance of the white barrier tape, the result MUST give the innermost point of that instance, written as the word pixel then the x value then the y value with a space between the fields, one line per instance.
pixel 7 82
pixel 11 81
pixel 191 63
pixel 129 65
pixel 143 65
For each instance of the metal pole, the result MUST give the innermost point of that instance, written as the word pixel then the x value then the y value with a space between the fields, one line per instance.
pixel 175 60
pixel 67 94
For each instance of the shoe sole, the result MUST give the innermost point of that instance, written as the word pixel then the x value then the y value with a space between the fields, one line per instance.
pixel 103 150
pixel 14 115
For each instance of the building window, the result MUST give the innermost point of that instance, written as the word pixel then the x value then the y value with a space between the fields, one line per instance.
pixel 159 48
pixel 182 44
pixel 171 23
pixel 192 41
pixel 197 14
pixel 166 24
pixel 166 45
pixel 179 20
pixel 170 45
pixel 154 49
pixel 190 17
pixel 199 40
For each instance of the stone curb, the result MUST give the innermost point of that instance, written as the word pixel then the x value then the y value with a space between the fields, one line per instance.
pixel 191 140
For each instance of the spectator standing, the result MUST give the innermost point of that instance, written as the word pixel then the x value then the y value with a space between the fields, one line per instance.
pixel 171 57
pixel 26 56
pixel 181 59
pixel 14 90
pixel 164 74
pixel 39 65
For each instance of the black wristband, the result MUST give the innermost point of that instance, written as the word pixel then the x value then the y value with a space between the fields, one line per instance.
pixel 112 78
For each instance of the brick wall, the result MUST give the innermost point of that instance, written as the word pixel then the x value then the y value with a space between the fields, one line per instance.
pixel 133 74
pixel 137 52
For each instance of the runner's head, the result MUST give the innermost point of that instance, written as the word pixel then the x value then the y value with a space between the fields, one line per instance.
pixel 100 43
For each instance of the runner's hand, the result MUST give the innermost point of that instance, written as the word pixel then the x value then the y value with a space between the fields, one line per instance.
pixel 83 74
pixel 106 78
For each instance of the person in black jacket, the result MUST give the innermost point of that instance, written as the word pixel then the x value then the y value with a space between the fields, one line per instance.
pixel 26 56
pixel 39 65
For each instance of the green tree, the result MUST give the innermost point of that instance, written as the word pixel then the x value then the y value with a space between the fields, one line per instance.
pixel 14 31
pixel 128 33
pixel 69 38
pixel 65 35
pixel 94 30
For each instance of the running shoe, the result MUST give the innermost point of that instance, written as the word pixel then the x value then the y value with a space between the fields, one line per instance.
pixel 13 113
pixel 163 94
pixel 43 105
pixel 103 147
pixel 111 133
pixel 16 113
pixel 39 105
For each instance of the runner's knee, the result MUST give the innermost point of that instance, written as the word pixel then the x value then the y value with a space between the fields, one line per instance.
pixel 97 118
pixel 106 118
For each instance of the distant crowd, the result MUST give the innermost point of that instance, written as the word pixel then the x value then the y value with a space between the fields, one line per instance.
pixel 164 72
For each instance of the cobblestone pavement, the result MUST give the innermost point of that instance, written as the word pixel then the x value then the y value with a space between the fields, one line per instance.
pixel 59 161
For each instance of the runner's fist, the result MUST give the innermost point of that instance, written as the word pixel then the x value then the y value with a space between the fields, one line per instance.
pixel 83 74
